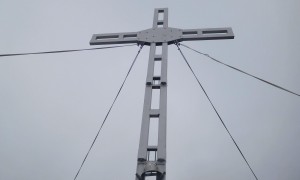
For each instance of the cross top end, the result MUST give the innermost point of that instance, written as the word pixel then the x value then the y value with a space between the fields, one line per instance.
pixel 161 33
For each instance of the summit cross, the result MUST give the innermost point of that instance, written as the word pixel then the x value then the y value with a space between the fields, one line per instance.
pixel 151 160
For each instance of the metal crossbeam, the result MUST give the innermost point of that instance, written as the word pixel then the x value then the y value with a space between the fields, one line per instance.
pixel 114 38
pixel 206 34
pixel 159 35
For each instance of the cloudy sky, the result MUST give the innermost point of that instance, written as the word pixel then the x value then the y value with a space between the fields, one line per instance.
pixel 51 106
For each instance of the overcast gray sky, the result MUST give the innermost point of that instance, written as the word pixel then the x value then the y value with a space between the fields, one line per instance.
pixel 51 106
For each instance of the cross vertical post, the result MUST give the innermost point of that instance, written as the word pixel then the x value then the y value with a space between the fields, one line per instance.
pixel 152 157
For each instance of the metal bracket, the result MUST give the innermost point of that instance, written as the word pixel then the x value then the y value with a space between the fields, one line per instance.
pixel 162 176
pixel 138 176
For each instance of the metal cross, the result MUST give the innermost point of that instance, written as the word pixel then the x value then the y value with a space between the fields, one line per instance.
pixel 151 159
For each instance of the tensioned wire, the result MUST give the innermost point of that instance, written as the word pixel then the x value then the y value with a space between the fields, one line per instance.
pixel 260 79
pixel 108 112
pixel 63 51
pixel 223 123
pixel 88 49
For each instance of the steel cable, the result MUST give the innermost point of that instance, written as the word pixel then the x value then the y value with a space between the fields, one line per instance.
pixel 108 113
pixel 63 51
pixel 217 112
pixel 272 84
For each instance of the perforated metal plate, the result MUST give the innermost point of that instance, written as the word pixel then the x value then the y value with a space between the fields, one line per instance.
pixel 159 35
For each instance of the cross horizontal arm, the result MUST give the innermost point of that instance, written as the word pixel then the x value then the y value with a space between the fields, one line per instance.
pixel 206 34
pixel 114 38
pixel 160 35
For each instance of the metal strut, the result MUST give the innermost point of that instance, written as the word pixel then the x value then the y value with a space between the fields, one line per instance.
pixel 152 157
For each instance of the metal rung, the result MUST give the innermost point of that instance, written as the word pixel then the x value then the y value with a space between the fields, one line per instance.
pixel 160 22
pixel 155 86
pixel 157 57
pixel 152 148
pixel 154 113
pixel 156 78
